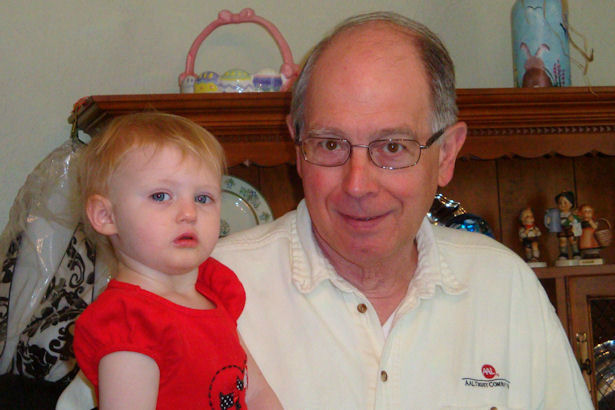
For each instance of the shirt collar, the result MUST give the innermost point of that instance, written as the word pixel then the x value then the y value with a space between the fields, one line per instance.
pixel 310 267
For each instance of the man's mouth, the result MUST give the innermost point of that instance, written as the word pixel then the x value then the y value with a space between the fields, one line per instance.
pixel 359 218
pixel 362 219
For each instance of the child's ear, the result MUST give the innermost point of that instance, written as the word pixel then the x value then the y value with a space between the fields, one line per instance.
pixel 100 213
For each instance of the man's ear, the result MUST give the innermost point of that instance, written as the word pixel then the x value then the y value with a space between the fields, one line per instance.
pixel 293 134
pixel 449 148
pixel 100 213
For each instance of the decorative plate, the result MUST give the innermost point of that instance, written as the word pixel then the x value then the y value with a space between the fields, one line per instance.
pixel 242 206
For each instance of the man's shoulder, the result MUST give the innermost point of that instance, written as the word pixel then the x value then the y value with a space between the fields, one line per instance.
pixel 259 236
pixel 252 253
pixel 459 238
pixel 471 249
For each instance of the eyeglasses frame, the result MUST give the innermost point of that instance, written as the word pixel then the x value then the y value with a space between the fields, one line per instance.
pixel 428 144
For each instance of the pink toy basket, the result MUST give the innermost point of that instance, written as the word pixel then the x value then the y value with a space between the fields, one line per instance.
pixel 288 69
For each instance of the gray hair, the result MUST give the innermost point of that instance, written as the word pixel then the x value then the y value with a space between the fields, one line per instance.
pixel 437 63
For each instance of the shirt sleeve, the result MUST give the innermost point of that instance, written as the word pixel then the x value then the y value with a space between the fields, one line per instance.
pixel 223 282
pixel 112 324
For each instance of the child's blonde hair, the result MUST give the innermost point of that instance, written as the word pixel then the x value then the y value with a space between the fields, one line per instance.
pixel 104 153
pixel 102 156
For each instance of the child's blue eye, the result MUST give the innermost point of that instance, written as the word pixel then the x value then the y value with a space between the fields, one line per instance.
pixel 202 199
pixel 160 196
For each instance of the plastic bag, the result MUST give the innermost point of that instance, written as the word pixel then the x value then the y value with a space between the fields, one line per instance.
pixel 48 271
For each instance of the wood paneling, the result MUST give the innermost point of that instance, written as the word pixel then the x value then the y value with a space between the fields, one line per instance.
pixel 475 186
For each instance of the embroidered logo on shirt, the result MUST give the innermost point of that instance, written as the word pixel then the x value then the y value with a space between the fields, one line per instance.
pixel 491 379
pixel 489 371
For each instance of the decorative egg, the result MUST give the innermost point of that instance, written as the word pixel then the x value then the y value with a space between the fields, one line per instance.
pixel 267 79
pixel 236 81
pixel 207 82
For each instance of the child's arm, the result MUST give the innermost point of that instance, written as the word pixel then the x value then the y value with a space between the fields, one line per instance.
pixel 127 380
pixel 259 395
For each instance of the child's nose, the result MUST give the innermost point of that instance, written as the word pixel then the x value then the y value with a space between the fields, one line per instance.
pixel 187 211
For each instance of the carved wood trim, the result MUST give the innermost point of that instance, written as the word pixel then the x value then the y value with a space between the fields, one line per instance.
pixel 502 122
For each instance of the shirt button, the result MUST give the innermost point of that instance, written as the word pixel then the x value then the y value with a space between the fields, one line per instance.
pixel 384 376
pixel 362 308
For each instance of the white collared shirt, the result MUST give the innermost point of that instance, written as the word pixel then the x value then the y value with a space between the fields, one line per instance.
pixel 475 330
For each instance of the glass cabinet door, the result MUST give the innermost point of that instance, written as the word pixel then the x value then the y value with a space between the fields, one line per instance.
pixel 592 311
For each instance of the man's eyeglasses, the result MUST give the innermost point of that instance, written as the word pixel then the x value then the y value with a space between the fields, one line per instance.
pixel 390 153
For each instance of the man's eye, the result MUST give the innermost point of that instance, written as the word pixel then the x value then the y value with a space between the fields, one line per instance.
pixel 202 199
pixel 331 145
pixel 160 196
pixel 392 147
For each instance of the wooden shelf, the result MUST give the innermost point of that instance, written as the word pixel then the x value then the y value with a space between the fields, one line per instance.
pixel 503 122
pixel 250 126
pixel 555 272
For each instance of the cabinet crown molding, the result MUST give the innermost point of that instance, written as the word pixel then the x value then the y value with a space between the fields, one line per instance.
pixel 502 122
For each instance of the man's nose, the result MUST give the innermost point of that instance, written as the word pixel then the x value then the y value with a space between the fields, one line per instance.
pixel 359 173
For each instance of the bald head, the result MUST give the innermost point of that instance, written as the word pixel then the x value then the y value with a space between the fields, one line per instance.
pixel 421 44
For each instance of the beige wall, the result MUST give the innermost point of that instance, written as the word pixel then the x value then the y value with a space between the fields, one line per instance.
pixel 53 52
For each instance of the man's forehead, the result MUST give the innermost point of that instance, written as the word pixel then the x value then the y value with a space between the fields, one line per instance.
pixel 380 50
pixel 376 36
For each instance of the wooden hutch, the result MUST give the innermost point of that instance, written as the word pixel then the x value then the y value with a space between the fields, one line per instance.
pixel 524 146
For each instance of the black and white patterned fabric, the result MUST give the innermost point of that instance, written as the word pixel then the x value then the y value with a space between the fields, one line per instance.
pixel 6 276
pixel 48 275
pixel 44 349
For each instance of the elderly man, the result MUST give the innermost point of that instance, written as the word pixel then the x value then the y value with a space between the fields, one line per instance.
pixel 354 300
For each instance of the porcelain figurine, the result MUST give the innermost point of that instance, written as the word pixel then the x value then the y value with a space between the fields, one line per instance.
pixel 207 82
pixel 528 235
pixel 236 81
pixel 567 224
pixel 588 244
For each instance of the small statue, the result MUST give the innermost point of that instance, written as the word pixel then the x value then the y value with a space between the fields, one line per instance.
pixel 529 234
pixel 567 224
pixel 590 248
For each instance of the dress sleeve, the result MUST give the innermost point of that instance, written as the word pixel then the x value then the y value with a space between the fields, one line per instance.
pixel 223 282
pixel 118 323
